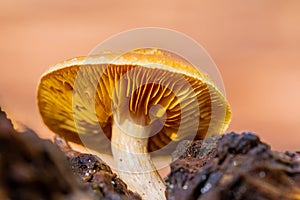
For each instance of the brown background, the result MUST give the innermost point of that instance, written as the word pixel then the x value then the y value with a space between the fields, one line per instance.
pixel 256 45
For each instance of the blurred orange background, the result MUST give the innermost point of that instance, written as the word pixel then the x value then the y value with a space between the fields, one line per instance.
pixel 255 44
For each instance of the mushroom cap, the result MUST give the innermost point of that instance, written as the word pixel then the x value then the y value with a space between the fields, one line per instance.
pixel 78 99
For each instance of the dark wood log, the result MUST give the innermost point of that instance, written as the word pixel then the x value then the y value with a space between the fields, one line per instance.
pixel 237 167
pixel 32 168
pixel 231 166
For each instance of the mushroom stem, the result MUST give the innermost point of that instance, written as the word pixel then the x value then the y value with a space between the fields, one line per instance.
pixel 133 162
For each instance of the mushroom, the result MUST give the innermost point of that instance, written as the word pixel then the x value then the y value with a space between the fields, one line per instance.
pixel 140 104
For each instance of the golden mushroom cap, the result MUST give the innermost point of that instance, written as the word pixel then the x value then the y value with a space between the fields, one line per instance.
pixel 79 98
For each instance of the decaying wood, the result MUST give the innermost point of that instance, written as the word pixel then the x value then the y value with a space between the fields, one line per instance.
pixel 232 166
pixel 96 173
pixel 32 168
pixel 240 167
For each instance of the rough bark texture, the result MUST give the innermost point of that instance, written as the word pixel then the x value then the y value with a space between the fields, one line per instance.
pixel 97 174
pixel 232 166
pixel 32 168
pixel 241 167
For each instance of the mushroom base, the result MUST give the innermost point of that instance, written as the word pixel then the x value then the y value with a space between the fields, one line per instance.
pixel 133 162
